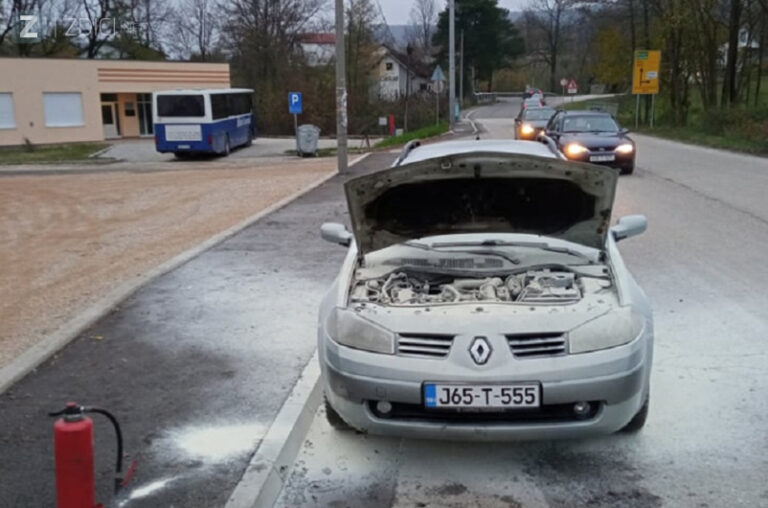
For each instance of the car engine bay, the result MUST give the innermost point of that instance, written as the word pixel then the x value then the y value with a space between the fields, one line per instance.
pixel 403 288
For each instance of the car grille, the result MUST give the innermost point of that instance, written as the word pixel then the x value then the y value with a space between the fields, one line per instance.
pixel 537 345
pixel 424 345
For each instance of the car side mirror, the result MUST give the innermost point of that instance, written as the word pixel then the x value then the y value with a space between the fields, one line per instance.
pixel 628 226
pixel 624 131
pixel 336 233
pixel 553 134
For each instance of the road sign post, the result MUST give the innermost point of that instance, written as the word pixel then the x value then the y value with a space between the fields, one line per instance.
pixel 572 88
pixel 296 107
pixel 438 78
pixel 645 79
pixel 563 82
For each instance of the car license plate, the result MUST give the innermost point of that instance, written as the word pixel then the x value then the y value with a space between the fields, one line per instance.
pixel 185 147
pixel 602 158
pixel 491 396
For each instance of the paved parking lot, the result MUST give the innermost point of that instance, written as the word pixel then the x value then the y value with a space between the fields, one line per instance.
pixel 195 364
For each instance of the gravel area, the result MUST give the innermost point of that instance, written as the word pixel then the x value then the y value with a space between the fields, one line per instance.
pixel 67 239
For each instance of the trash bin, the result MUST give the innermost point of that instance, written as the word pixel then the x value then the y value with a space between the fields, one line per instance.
pixel 306 139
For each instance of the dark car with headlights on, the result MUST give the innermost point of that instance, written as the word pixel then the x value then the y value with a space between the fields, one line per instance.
pixel 593 136
pixel 531 122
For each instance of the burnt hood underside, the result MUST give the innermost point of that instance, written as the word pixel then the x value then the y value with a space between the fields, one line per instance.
pixel 482 192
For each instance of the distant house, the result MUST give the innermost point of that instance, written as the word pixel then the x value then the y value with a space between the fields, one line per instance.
pixel 745 44
pixel 394 71
pixel 318 48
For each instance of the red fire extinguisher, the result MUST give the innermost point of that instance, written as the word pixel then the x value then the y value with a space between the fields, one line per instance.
pixel 73 444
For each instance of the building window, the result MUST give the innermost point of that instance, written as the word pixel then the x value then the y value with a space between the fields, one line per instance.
pixel 7 117
pixel 390 66
pixel 144 103
pixel 63 109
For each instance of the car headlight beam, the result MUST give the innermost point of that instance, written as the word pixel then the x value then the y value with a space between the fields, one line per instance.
pixel 612 329
pixel 575 150
pixel 526 129
pixel 625 148
pixel 350 329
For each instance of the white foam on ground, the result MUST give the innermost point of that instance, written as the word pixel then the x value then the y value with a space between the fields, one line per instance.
pixel 218 442
pixel 147 490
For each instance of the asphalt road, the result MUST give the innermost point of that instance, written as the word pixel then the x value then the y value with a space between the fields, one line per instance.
pixel 703 264
pixel 195 365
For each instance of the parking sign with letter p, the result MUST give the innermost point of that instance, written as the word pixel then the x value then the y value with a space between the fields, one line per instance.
pixel 295 103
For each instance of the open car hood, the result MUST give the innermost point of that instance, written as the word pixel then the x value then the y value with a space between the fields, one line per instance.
pixel 481 192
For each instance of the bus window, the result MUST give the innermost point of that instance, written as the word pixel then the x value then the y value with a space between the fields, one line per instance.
pixel 219 106
pixel 180 105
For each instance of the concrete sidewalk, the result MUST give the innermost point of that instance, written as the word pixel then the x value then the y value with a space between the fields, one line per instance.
pixel 195 364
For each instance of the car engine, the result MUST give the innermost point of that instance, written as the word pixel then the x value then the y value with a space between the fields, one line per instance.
pixel 534 286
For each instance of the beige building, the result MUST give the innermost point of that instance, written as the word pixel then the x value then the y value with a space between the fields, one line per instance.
pixel 68 100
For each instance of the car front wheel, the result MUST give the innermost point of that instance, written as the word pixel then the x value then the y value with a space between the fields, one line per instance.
pixel 638 421
pixel 334 419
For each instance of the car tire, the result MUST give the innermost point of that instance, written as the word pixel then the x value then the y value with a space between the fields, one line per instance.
pixel 227 147
pixel 334 419
pixel 638 421
pixel 628 170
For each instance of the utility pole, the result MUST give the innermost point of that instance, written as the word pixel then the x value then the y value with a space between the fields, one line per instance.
pixel 461 71
pixel 341 90
pixel 452 62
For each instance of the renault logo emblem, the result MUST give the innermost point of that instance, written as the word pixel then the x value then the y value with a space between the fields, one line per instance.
pixel 480 350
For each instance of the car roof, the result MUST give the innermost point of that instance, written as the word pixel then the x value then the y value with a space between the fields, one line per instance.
pixel 441 149
pixel 584 112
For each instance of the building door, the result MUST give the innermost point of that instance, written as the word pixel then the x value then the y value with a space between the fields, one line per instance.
pixel 109 120
pixel 144 103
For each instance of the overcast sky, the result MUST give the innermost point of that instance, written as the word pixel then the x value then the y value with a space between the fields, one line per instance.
pixel 398 12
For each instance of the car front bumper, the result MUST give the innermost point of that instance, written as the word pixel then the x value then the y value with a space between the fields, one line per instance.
pixel 616 379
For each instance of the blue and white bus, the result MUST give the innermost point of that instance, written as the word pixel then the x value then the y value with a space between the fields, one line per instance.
pixel 203 121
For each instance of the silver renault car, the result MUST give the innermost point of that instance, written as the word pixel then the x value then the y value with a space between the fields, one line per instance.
pixel 483 296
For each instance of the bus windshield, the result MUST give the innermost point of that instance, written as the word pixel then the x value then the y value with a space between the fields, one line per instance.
pixel 180 105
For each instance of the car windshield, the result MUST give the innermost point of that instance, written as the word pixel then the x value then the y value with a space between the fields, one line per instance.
pixel 538 114
pixel 590 123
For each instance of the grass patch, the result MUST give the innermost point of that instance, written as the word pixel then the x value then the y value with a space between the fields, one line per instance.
pixel 49 153
pixel 426 132
pixel 742 129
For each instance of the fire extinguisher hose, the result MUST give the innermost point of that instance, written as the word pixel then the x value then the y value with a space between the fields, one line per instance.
pixel 119 435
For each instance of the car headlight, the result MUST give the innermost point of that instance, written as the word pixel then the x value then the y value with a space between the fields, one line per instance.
pixel 575 149
pixel 526 129
pixel 612 329
pixel 625 148
pixel 350 329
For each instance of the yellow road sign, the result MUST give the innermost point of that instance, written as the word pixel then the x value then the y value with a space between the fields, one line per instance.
pixel 645 78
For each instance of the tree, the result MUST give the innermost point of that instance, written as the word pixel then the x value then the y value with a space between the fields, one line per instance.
pixel 612 50
pixel 491 40
pixel 545 17
pixel 730 92
pixel 198 30
pixel 422 28
pixel 98 13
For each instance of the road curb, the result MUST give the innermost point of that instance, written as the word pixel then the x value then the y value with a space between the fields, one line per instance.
pixel 268 469
pixel 30 359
